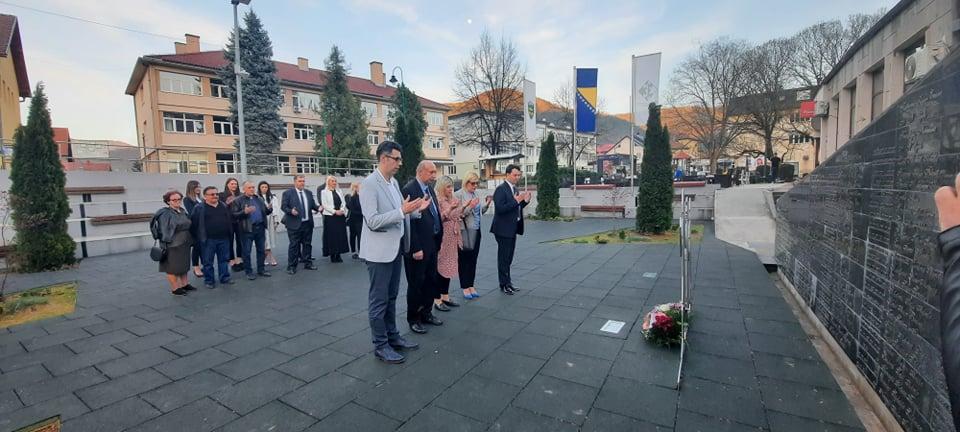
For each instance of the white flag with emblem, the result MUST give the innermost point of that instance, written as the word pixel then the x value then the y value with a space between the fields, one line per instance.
pixel 645 85
pixel 529 111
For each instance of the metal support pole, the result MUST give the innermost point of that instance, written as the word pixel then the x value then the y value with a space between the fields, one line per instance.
pixel 633 161
pixel 237 70
pixel 573 141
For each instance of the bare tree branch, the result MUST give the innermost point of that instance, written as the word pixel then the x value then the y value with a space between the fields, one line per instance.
pixel 488 82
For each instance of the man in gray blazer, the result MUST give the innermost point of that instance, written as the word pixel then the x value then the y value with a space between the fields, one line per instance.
pixel 385 235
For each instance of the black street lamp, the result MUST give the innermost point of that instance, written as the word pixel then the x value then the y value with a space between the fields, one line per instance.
pixel 393 76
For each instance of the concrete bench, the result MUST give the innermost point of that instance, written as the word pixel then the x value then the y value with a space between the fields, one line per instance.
pixel 604 209
pixel 121 219
pixel 95 190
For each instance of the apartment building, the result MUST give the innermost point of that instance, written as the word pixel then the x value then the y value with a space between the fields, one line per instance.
pixel 183 114
pixel 882 65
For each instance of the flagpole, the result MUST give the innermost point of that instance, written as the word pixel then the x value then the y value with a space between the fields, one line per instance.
pixel 573 142
pixel 633 121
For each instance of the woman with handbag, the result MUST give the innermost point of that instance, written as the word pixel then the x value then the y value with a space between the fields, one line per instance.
pixel 451 218
pixel 470 233
pixel 175 228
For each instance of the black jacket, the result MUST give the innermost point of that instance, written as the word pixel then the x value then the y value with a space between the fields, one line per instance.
pixel 354 211
pixel 950 315
pixel 198 228
pixel 290 200
pixel 244 224
pixel 421 229
pixel 506 209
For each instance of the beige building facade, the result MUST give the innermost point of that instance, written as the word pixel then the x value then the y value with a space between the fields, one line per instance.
pixel 912 37
pixel 183 114
pixel 14 84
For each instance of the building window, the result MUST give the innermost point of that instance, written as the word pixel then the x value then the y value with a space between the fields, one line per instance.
pixel 373 139
pixel 388 137
pixel 227 163
pixel 218 89
pixel 179 83
pixel 434 118
pixel 388 110
pixel 283 165
pixel 302 131
pixel 303 101
pixel 453 150
pixel 283 131
pixel 436 143
pixel 182 122
pixel 452 170
pixel 369 108
pixel 187 163
pixel 876 99
pixel 853 111
pixel 307 165
pixel 223 126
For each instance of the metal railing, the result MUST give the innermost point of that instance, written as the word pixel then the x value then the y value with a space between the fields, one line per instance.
pixel 89 155
pixel 686 278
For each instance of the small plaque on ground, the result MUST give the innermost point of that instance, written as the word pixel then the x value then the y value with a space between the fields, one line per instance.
pixel 51 424
pixel 612 326
pixel 650 275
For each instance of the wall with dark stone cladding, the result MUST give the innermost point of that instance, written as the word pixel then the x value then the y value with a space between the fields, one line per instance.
pixel 857 238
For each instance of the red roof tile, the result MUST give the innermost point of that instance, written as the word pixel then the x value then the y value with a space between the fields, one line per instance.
pixel 604 148
pixel 681 155
pixel 290 73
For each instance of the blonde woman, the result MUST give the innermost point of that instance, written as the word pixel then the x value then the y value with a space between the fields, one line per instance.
pixel 334 221
pixel 470 232
pixel 451 217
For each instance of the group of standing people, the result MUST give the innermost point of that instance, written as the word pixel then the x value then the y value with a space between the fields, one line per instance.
pixel 426 227
pixel 213 231
pixel 435 233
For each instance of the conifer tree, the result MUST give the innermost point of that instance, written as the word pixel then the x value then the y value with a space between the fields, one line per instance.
pixel 343 119
pixel 548 180
pixel 655 209
pixel 409 128
pixel 38 200
pixel 261 95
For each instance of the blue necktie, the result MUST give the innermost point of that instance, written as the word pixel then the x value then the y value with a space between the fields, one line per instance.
pixel 433 210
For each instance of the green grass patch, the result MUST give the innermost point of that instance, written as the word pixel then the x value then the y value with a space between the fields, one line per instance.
pixel 625 236
pixel 38 303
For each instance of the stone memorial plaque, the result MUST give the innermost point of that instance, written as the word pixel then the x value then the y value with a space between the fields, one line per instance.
pixel 857 238
pixel 612 326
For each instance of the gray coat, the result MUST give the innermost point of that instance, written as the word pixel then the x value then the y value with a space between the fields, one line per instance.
pixel 464 196
pixel 384 224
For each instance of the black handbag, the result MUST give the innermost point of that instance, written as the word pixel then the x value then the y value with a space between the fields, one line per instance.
pixel 468 236
pixel 158 252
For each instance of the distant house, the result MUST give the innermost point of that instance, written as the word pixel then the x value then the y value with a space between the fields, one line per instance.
pixel 14 84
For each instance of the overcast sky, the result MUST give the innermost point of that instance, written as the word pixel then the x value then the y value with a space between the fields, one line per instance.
pixel 86 66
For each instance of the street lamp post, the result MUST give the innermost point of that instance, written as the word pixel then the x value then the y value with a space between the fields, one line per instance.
pixel 393 76
pixel 239 72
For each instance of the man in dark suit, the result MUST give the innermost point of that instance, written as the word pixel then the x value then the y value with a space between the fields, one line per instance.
pixel 298 205
pixel 420 263
pixel 507 224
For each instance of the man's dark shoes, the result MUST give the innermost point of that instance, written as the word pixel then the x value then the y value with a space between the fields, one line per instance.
pixel 388 355
pixel 451 303
pixel 292 271
pixel 189 287
pixel 417 328
pixel 251 276
pixel 264 274
pixel 513 288
pixel 179 292
pixel 506 289
pixel 237 267
pixel 209 286
pixel 309 266
pixel 441 307
pixel 402 343
pixel 227 282
pixel 432 320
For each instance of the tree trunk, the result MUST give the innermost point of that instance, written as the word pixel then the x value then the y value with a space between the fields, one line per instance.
pixel 768 145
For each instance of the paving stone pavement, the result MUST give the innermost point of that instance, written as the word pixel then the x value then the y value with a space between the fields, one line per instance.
pixel 292 353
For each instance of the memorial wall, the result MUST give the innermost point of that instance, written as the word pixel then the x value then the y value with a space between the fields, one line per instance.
pixel 857 239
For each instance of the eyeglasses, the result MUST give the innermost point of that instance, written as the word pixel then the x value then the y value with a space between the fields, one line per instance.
pixel 398 158
pixel 472 183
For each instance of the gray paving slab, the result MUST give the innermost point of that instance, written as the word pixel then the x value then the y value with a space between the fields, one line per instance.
pixel 294 352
